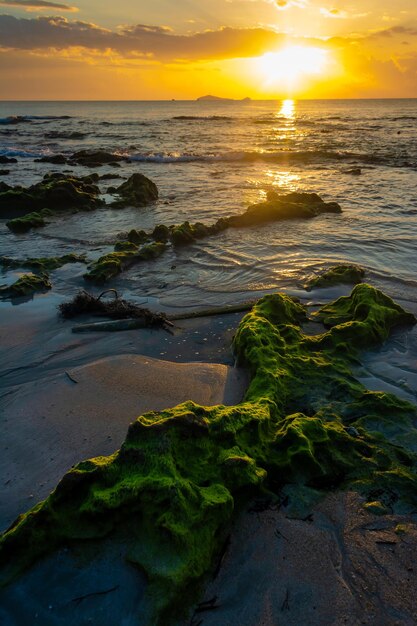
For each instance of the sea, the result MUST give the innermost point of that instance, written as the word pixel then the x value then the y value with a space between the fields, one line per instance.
pixel 214 158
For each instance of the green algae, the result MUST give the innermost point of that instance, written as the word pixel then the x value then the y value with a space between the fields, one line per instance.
pixel 137 191
pixel 180 476
pixel 126 254
pixel 42 263
pixel 26 285
pixel 337 275
pixel 57 192
pixel 29 221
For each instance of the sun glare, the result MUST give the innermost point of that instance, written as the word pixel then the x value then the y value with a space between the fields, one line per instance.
pixel 289 66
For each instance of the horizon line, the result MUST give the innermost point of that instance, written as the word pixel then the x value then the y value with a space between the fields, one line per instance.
pixel 215 101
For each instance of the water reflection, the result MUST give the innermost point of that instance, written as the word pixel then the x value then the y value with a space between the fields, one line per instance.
pixel 288 109
pixel 286 180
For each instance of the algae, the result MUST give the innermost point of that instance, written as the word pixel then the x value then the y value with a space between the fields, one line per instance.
pixel 26 285
pixel 126 254
pixel 137 191
pixel 58 192
pixel 42 263
pixel 29 221
pixel 337 275
pixel 180 476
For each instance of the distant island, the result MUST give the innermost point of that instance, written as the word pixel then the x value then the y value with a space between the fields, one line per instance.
pixel 218 99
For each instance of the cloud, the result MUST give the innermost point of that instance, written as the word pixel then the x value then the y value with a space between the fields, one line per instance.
pixel 43 33
pixel 33 5
pixel 334 13
pixel 282 5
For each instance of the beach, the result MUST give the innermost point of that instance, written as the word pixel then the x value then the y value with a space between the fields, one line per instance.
pixel 67 396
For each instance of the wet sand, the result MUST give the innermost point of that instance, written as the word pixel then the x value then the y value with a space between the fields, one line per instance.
pixel 51 425
pixel 340 565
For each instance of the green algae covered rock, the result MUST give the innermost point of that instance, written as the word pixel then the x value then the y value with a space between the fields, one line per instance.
pixel 289 206
pixel 364 318
pixel 126 254
pixel 58 192
pixel 137 191
pixel 337 275
pixel 29 221
pixel 26 285
pixel 180 476
pixel 42 263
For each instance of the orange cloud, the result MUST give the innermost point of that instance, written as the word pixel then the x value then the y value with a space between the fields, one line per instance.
pixel 33 5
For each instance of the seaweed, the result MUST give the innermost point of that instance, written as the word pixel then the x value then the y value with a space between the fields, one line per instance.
pixel 181 474
pixel 116 308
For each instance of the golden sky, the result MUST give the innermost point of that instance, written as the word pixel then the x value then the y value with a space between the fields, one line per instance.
pixel 162 49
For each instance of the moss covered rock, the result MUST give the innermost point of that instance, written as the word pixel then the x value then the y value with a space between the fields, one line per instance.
pixel 58 192
pixel 137 191
pixel 42 263
pixel 126 254
pixel 289 206
pixel 26 285
pixel 337 275
pixel 29 221
pixel 176 482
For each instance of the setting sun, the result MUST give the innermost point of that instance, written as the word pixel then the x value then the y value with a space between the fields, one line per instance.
pixel 291 64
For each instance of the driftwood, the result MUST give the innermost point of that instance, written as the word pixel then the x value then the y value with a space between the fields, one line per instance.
pixel 142 321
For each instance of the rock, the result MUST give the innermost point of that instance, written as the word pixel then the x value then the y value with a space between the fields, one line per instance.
pixel 126 255
pixel 5 159
pixel 26 285
pixel 337 275
pixel 161 233
pixel 289 206
pixel 95 158
pixel 42 263
pixel 4 172
pixel 137 191
pixel 57 159
pixel 56 191
pixel 31 220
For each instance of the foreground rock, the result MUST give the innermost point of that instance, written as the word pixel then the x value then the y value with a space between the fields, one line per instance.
pixel 175 484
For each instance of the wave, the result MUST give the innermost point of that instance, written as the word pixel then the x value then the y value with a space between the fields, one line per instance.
pixel 20 119
pixel 284 156
pixel 136 123
pixel 209 118
pixel 10 152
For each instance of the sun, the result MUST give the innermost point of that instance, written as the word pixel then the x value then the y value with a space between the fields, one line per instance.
pixel 290 66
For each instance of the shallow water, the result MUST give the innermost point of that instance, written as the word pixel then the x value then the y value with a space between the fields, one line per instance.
pixel 213 159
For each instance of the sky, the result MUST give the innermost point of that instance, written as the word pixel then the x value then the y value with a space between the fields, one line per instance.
pixel 183 49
